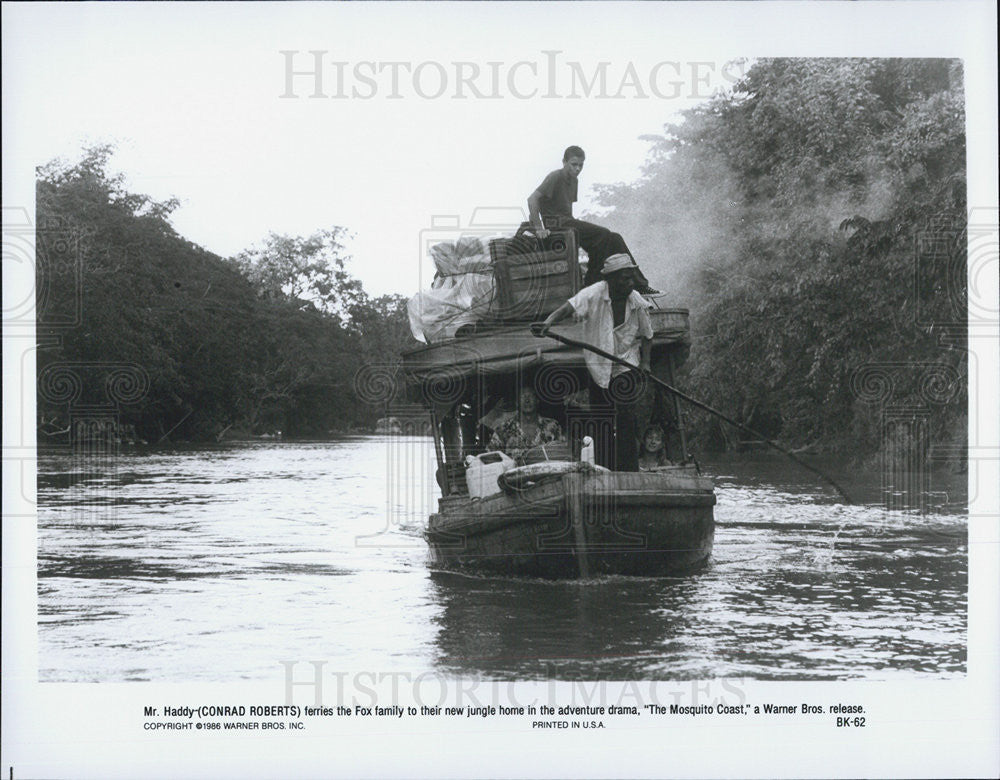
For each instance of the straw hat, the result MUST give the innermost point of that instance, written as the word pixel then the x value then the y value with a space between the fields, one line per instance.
pixel 618 262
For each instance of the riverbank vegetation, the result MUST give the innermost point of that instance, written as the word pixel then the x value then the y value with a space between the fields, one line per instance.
pixel 185 344
pixel 814 221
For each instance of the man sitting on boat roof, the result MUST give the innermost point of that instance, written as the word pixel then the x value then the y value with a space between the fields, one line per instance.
pixel 519 431
pixel 555 197
pixel 614 320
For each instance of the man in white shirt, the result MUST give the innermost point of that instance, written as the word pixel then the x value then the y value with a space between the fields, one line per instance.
pixel 615 320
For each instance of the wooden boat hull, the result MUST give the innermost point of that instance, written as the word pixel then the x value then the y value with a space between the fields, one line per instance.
pixel 580 525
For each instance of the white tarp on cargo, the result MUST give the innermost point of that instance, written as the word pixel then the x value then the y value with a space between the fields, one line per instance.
pixel 460 294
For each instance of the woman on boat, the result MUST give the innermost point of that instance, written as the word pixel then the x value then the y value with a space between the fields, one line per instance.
pixel 525 428
pixel 653 454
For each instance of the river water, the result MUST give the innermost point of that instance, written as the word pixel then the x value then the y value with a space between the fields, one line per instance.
pixel 218 563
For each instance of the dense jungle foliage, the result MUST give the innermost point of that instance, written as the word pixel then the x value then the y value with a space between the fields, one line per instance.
pixel 269 340
pixel 814 221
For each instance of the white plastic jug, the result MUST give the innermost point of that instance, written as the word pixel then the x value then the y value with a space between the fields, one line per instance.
pixel 482 471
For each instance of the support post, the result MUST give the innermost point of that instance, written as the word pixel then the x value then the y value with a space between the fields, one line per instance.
pixel 436 433
pixel 573 487
pixel 677 407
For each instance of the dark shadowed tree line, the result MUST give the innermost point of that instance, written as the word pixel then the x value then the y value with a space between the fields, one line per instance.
pixel 269 340
pixel 814 220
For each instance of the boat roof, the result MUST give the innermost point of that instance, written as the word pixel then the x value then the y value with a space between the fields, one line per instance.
pixel 510 348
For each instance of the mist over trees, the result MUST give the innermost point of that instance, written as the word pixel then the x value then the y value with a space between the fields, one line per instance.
pixel 269 340
pixel 813 221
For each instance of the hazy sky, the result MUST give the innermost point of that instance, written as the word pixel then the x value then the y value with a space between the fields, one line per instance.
pixel 486 96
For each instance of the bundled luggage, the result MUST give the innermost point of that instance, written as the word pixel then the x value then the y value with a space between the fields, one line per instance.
pixel 503 280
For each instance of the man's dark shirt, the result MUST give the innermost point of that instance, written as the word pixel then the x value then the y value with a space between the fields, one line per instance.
pixel 558 191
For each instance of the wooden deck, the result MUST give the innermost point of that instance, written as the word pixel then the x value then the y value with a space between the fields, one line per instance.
pixel 509 348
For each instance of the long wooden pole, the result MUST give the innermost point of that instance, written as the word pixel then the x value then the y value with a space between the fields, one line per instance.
pixel 693 401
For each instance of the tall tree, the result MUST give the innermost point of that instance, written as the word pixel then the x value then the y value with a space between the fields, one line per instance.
pixel 141 293
pixel 310 271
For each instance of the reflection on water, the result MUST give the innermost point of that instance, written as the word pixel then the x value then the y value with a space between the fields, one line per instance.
pixel 219 563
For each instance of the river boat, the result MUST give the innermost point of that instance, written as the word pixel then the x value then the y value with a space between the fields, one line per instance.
pixel 565 518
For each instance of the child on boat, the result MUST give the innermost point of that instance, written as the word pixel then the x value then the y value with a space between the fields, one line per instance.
pixel 653 453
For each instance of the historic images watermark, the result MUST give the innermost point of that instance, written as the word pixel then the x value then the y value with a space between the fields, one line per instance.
pixel 321 74
pixel 43 263
pixel 413 475
pixel 905 422
pixel 410 486
pixel 983 317
pixel 87 397
pixel 48 260
pixel 79 403
pixel 950 260
pixel 313 683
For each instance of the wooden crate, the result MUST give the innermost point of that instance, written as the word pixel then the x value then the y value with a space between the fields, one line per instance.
pixel 533 277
